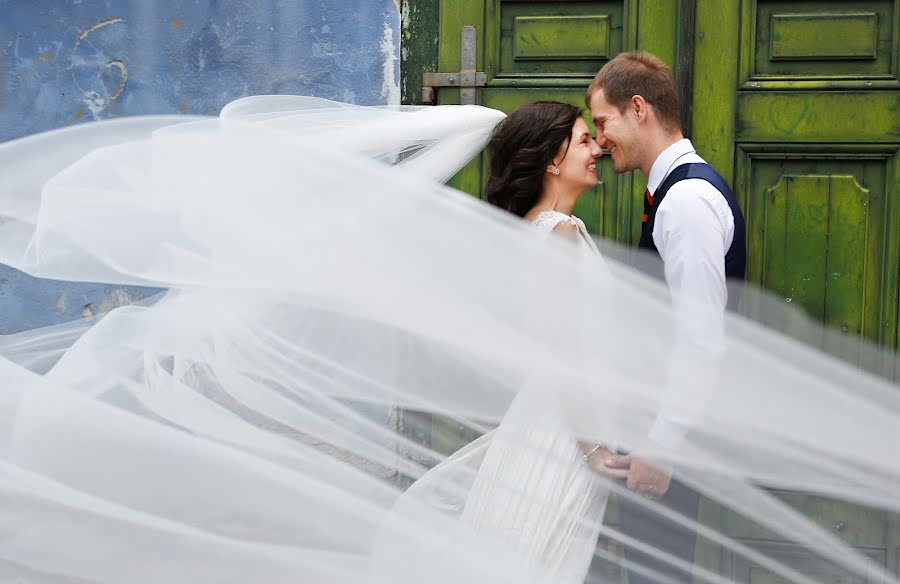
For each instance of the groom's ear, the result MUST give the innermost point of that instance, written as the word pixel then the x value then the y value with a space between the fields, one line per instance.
pixel 640 107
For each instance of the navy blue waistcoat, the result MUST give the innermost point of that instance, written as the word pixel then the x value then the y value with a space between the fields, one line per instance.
pixel 736 256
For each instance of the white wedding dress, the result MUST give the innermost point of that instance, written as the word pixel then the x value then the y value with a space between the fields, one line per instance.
pixel 531 488
pixel 533 491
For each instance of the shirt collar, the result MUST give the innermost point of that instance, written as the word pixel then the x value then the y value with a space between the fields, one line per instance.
pixel 665 161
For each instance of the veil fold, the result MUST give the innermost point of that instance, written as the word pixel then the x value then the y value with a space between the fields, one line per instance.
pixel 336 323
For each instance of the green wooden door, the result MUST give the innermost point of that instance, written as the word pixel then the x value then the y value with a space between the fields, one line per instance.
pixel 797 103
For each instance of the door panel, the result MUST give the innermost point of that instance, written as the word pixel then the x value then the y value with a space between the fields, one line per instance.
pixel 854 525
pixel 556 38
pixel 813 567
pixel 817 221
pixel 871 117
pixel 819 39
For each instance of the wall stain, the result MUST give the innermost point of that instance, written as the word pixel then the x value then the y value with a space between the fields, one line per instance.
pixel 83 34
pixel 93 100
pixel 123 69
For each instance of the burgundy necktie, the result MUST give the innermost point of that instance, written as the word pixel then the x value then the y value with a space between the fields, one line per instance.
pixel 647 205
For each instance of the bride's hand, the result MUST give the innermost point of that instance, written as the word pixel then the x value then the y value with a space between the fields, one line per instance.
pixel 598 462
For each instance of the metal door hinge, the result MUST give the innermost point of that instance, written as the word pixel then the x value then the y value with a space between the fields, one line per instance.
pixel 467 79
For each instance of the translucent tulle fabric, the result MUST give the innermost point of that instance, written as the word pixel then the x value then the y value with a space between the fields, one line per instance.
pixel 336 324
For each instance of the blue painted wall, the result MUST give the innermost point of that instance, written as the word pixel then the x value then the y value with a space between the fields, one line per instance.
pixel 73 61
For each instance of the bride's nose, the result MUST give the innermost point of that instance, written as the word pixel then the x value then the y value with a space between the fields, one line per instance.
pixel 596 150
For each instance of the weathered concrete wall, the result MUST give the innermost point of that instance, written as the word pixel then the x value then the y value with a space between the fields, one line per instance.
pixel 72 61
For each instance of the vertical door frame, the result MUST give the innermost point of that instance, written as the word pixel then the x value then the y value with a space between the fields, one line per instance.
pixel 419 45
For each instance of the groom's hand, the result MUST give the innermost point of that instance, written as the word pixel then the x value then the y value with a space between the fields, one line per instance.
pixel 647 479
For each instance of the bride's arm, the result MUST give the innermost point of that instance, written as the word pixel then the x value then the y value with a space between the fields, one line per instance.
pixel 567 229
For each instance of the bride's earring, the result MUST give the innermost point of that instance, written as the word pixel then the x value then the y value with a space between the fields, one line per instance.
pixel 556 171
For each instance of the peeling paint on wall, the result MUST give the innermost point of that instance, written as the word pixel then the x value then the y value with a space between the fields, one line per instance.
pixel 405 16
pixel 390 87
pixel 62 303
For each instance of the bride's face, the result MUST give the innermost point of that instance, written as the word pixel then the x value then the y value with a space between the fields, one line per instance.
pixel 579 158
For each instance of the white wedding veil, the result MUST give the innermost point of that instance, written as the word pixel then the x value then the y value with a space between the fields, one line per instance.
pixel 336 322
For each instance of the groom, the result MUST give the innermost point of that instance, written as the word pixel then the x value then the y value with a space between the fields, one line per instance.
pixel 692 220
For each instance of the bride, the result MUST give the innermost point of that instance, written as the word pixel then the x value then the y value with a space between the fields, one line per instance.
pixel 533 488
pixel 542 159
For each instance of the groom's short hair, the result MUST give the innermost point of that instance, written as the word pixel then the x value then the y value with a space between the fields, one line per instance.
pixel 638 73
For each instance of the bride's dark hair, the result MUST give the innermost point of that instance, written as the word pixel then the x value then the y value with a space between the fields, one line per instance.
pixel 523 144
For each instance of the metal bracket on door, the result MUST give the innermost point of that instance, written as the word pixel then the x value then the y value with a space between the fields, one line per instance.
pixel 467 79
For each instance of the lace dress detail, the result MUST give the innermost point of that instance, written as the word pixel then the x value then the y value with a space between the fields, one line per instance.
pixel 546 222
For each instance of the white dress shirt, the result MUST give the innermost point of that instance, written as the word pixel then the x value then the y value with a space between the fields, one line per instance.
pixel 693 230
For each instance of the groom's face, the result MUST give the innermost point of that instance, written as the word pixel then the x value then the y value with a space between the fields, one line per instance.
pixel 616 132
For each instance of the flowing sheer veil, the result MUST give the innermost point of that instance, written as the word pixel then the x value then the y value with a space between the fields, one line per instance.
pixel 336 322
